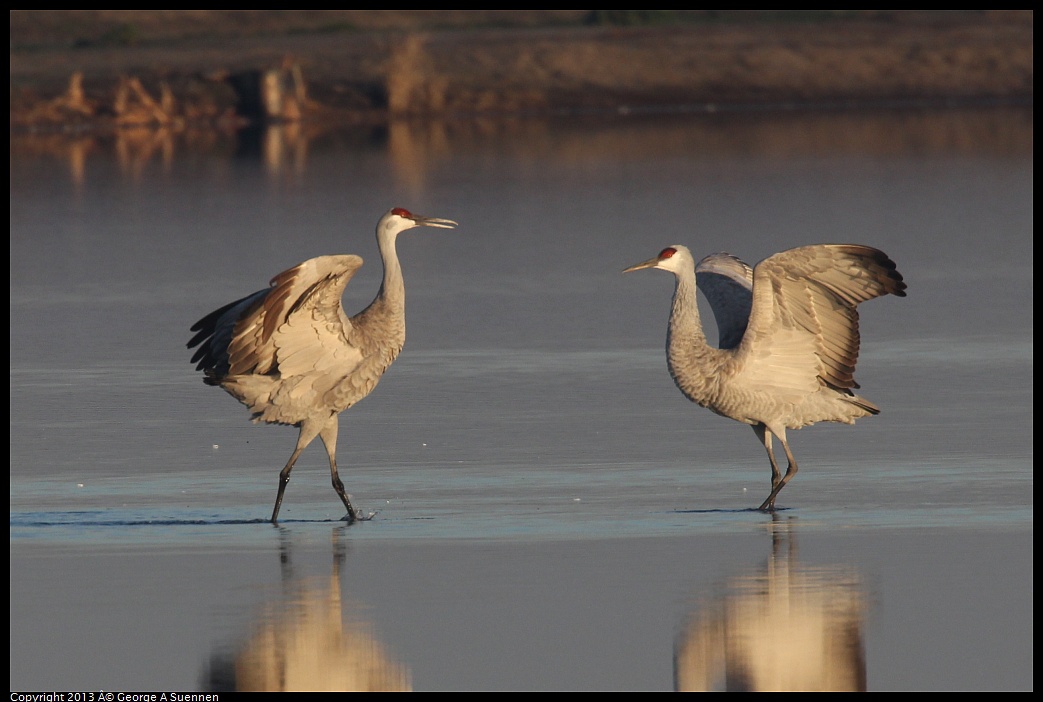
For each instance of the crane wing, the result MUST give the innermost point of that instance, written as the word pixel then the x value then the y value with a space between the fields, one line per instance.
pixel 803 328
pixel 298 326
pixel 214 334
pixel 727 283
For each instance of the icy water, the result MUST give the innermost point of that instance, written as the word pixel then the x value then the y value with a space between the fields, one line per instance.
pixel 551 512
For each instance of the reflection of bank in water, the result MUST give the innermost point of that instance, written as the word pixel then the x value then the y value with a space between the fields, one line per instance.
pixel 420 150
pixel 785 629
pixel 303 643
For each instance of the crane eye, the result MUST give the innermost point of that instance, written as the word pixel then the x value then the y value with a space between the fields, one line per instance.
pixel 667 252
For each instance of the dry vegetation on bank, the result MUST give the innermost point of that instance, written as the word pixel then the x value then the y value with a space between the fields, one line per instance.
pixel 112 68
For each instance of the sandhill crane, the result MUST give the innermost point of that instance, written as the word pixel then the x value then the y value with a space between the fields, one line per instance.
pixel 291 355
pixel 789 333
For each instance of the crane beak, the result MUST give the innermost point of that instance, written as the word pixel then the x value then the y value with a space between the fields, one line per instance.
pixel 434 222
pixel 650 263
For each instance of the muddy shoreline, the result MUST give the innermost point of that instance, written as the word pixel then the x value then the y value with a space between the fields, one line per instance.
pixel 372 75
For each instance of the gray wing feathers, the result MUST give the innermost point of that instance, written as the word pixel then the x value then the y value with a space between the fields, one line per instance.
pixel 300 325
pixel 727 283
pixel 806 298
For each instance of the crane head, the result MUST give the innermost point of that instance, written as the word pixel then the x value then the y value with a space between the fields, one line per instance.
pixel 399 219
pixel 672 258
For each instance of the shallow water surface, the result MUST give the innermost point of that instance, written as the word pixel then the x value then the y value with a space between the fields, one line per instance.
pixel 550 512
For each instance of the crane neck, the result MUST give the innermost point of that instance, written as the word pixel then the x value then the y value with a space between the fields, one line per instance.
pixel 689 358
pixel 392 293
pixel 685 326
pixel 380 329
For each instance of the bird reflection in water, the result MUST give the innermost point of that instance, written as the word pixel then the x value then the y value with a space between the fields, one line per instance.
pixel 302 643
pixel 786 629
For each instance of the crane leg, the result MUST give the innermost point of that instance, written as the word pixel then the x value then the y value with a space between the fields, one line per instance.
pixel 777 483
pixel 329 439
pixel 307 435
pixel 764 434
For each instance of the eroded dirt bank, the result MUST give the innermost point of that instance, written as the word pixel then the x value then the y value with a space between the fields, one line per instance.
pixel 182 67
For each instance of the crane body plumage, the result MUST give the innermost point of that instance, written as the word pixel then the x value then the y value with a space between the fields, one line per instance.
pixel 789 337
pixel 292 356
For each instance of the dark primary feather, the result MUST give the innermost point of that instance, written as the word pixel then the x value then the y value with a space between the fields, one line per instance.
pixel 214 335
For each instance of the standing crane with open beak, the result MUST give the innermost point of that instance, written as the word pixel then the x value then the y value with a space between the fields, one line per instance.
pixel 292 356
pixel 789 337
